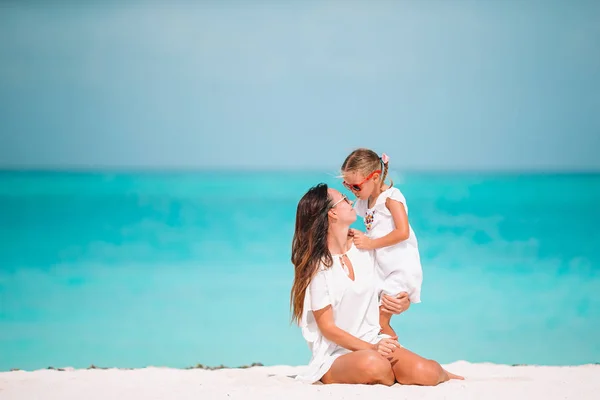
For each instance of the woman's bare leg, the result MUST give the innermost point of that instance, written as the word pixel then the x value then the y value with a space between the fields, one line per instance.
pixel 362 366
pixel 412 369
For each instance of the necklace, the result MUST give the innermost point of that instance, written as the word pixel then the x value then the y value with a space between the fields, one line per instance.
pixel 342 262
pixel 344 266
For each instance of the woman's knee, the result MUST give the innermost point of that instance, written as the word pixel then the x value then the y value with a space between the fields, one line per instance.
pixel 428 372
pixel 377 369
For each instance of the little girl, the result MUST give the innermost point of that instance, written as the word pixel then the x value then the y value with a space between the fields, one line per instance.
pixel 389 234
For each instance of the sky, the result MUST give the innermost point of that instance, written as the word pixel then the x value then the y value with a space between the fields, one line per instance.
pixel 437 85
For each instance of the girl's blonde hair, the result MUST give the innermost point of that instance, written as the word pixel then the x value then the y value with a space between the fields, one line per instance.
pixel 366 161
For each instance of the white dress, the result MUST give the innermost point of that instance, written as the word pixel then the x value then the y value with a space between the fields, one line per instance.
pixel 398 266
pixel 354 304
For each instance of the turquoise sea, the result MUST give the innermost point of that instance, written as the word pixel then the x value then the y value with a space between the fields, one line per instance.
pixel 179 268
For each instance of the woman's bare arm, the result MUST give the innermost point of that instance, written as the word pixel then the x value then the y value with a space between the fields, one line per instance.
pixel 327 326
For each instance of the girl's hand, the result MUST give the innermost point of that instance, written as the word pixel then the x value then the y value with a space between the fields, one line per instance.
pixel 395 305
pixel 361 240
pixel 386 346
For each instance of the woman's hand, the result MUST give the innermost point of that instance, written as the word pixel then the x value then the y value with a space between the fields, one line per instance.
pixel 395 305
pixel 386 346
pixel 361 240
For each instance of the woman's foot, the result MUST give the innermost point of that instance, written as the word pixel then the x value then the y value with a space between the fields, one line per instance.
pixel 454 376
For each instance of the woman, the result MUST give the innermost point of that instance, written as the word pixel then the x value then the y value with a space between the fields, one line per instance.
pixel 334 300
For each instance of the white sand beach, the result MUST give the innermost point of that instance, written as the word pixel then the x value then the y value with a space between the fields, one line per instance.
pixel 484 381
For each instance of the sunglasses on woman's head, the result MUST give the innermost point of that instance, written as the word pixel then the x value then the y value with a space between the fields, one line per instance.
pixel 357 187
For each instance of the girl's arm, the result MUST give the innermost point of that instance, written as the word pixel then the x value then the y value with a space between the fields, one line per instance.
pixel 327 326
pixel 402 231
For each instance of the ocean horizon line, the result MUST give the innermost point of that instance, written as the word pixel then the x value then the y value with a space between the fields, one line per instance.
pixel 259 364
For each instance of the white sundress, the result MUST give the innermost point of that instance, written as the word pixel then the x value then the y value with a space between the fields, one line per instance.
pixel 355 309
pixel 398 266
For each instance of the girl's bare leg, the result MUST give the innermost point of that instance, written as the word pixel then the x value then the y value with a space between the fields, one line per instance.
pixel 384 322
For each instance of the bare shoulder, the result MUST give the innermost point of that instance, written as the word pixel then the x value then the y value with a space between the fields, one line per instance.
pixel 394 204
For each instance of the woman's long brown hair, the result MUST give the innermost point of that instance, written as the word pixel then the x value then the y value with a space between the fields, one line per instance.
pixel 309 246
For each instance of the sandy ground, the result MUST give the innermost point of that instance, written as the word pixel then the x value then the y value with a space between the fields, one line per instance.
pixel 484 381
